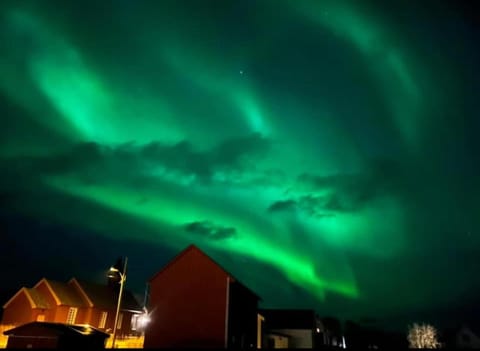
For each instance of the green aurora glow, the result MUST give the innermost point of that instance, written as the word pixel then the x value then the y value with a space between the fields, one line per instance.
pixel 298 135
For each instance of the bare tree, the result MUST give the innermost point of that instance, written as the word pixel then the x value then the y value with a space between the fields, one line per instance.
pixel 423 336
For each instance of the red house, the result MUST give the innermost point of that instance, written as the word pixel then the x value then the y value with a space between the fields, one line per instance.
pixel 75 302
pixel 194 302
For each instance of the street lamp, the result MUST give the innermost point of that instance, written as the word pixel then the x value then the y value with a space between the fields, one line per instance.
pixel 123 277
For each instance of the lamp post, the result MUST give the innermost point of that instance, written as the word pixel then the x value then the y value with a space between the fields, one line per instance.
pixel 123 278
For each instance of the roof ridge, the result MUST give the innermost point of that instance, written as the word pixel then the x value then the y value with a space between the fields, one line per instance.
pixel 188 249
pixel 81 290
pixel 49 287
pixel 174 259
pixel 103 296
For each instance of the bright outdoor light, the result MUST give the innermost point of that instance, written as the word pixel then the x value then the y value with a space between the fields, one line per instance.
pixel 143 320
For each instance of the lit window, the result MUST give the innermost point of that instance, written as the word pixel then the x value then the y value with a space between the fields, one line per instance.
pixel 120 319
pixel 103 320
pixel 134 321
pixel 41 318
pixel 72 314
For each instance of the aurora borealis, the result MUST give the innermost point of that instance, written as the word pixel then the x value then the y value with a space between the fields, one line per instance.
pixel 323 151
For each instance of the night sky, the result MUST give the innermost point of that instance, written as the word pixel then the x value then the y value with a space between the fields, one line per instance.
pixel 324 152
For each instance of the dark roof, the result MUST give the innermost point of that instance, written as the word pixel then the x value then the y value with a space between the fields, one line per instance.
pixel 474 328
pixel 289 318
pixel 37 298
pixel 195 248
pixel 66 294
pixel 104 296
pixel 34 328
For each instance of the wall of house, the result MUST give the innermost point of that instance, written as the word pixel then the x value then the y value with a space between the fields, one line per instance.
pixel 276 341
pixel 94 318
pixel 82 315
pixel 39 314
pixel 188 304
pixel 50 314
pixel 298 338
pixel 242 322
pixel 19 311
pixel 96 315
pixel 61 315
pixel 125 328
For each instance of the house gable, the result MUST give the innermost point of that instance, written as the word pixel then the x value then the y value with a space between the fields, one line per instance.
pixel 194 301
pixel 23 307
pixel 190 250
pixel 188 300
pixel 105 298
pixel 76 285
pixel 17 294
pixel 194 250
pixel 44 283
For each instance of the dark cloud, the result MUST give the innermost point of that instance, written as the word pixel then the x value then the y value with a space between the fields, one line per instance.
pixel 239 151
pixel 351 192
pixel 210 230
pixel 343 192
pixel 92 160
pixel 285 205
pixel 315 206
pixel 346 192
pixel 230 154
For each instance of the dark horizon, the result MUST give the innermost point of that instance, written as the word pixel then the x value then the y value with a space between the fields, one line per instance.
pixel 443 319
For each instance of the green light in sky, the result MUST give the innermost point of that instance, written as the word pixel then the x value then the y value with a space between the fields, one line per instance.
pixel 250 242
pixel 352 22
pixel 169 126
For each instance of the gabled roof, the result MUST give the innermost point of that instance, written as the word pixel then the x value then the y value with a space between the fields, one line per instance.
pixel 473 328
pixel 66 294
pixel 191 248
pixel 63 293
pixel 74 282
pixel 103 296
pixel 78 294
pixel 55 328
pixel 36 299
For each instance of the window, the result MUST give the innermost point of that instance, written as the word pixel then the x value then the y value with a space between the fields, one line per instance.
pixel 103 320
pixel 134 321
pixel 41 318
pixel 120 319
pixel 72 314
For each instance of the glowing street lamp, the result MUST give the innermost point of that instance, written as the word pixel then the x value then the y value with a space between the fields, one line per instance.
pixel 112 273
pixel 143 321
